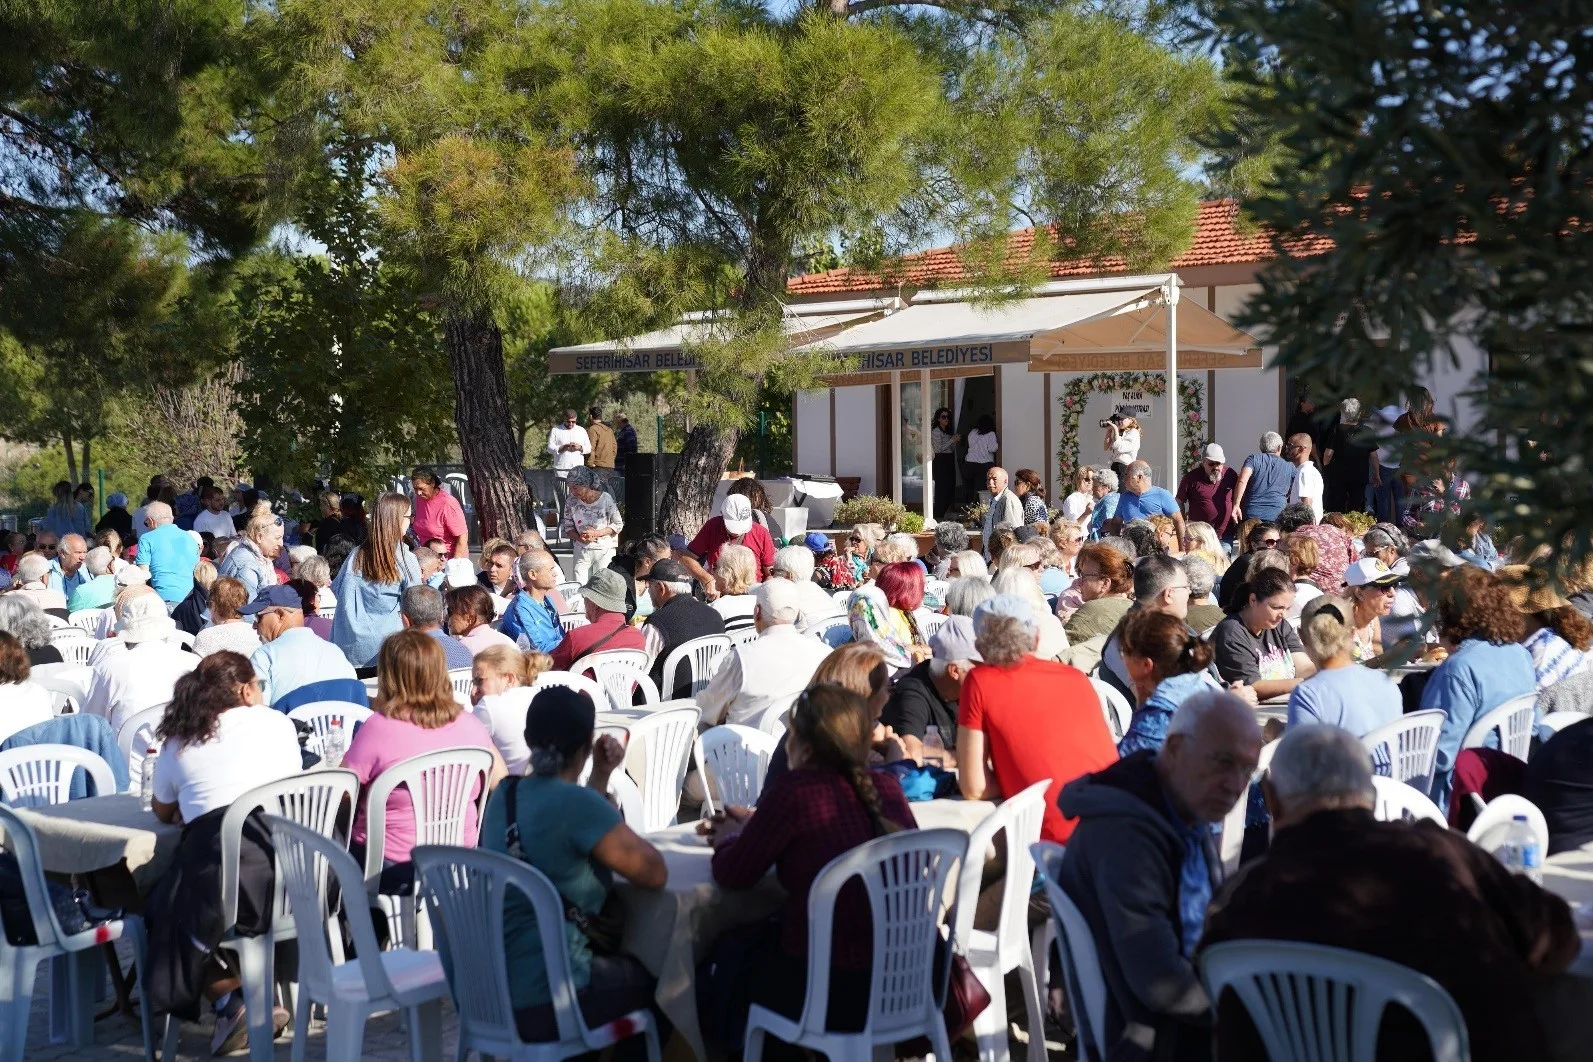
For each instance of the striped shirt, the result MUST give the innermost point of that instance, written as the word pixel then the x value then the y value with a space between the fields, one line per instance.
pixel 1554 659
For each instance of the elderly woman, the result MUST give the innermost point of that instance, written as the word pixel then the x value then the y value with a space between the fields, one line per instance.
pixel 735 574
pixel 1371 586
pixel 591 522
pixel 1342 693
pixel 882 614
pixel 1030 489
pixel 1557 635
pixel 250 559
pixel 1201 536
pixel 32 581
pixel 1068 537
pixel 1167 536
pixel 1487 666
pixel 500 688
pixel 117 518
pixel 1020 576
pixel 1095 604
pixel 965 594
pixel 228 629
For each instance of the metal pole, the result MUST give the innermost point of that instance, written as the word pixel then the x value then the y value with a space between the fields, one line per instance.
pixel 763 438
pixel 1172 383
pixel 659 427
pixel 100 494
pixel 926 446
pixel 896 436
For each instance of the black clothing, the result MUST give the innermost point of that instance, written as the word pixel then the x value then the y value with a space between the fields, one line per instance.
pixel 120 521
pixel 1344 481
pixel 916 704
pixel 189 615
pixel 681 619
pixel 945 473
pixel 44 654
pixel 1559 780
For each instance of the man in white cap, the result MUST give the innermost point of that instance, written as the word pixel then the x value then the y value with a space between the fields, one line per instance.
pixel 927 694
pixel 143 676
pixel 1208 491
pixel 733 526
pixel 766 674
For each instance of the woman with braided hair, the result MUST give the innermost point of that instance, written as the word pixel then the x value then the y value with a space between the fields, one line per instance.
pixel 828 803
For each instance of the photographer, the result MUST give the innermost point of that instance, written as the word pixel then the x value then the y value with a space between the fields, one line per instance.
pixel 1122 441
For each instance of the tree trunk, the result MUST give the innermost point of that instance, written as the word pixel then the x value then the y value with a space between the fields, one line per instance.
pixel 71 458
pixel 481 413
pixel 84 464
pixel 688 502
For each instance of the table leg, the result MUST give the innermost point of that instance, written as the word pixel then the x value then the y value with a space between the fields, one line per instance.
pixel 74 979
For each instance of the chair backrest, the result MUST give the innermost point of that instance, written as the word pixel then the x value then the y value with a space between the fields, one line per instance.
pixel 841 596
pixel 587 686
pixel 372 685
pixel 1316 1002
pixel 75 650
pixel 135 737
pixel 465 889
pixel 182 638
pixel 305 862
pixel 1399 802
pixel 33 776
pixel 1554 722
pixel 907 875
pixel 67 683
pixel 736 759
pixel 1408 747
pixel 742 635
pixel 773 719
pixel 570 594
pixel 1488 829
pixel 1019 818
pixel 312 799
pixel 460 679
pixel 1081 963
pixel 18 839
pixel 1114 706
pixel 664 740
pixel 88 619
pixel 320 715
pixel 833 632
pixel 618 671
pixel 441 784
pixel 70 632
pixel 571 620
pixel 1514 721
pixel 929 623
pixel 703 655
pixel 1230 843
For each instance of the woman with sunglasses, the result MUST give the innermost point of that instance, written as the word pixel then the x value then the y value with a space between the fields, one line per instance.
pixel 1372 585
pixel 250 559
pixel 944 441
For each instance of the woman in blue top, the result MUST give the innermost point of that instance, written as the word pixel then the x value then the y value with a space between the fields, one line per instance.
pixel 574 836
pixel 66 516
pixel 370 582
pixel 1342 692
pixel 1479 625
pixel 1167 665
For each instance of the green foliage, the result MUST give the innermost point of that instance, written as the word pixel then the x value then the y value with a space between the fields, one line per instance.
pixel 1441 149
pixel 869 509
pixel 911 523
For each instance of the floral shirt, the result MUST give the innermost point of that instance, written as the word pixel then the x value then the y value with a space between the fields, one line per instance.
pixel 1335 552
pixel 833 573
pixel 1431 498
pixel 1034 511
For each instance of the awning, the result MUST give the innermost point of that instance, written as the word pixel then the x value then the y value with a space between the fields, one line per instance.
pixel 664 349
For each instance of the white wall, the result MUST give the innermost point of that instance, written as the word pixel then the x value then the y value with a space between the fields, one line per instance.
pixel 1023 413
pixel 811 417
pixel 855 439
pixel 1246 399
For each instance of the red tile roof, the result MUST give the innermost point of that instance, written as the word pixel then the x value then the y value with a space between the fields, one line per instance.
pixel 1217 241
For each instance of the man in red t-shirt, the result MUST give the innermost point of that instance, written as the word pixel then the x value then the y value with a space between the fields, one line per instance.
pixel 1025 719
pixel 438 514
pixel 734 524
pixel 1207 491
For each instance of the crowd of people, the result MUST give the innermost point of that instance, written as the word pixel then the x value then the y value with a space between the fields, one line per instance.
pixel 893 673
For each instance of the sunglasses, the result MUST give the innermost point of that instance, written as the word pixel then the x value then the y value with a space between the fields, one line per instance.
pixel 1269 542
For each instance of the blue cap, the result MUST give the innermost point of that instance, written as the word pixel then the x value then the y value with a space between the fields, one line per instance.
pixel 273 597
pixel 818 543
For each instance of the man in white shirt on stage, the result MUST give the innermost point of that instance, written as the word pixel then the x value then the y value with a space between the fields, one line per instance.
pixel 569 444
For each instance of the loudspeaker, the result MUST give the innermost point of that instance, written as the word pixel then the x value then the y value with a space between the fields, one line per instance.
pixel 646 477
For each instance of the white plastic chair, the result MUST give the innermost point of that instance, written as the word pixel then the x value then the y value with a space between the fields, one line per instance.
pixel 663 742
pixel 1500 812
pixel 320 715
pixel 442 785
pixel 1398 802
pixel 734 761
pixel 907 876
pixel 134 739
pixel 570 594
pixel 68 683
pixel 1514 721
pixel 377 981
pixel 620 672
pixel 741 635
pixel 703 655
pixel 834 632
pixel 575 682
pixel 1114 706
pixel 182 638
pixel 312 800
pixel 841 597
pixel 995 954
pixel 460 679
pixel 89 619
pixel 930 623
pixel 1410 746
pixel 77 649
pixel 33 776
pixel 571 620
pixel 1081 963
pixel 1230 844
pixel 1548 726
pixel 372 685
pixel 19 964
pixel 1316 1002
pixel 466 889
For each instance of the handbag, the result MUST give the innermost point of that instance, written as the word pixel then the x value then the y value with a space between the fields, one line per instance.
pixel 74 909
pixel 966 997
pixel 603 931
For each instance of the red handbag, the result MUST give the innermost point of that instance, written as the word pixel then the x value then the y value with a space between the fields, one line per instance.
pixel 966 997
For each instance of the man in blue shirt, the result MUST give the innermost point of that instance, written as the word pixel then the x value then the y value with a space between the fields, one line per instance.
pixel 532 612
pixel 1140 499
pixel 66 570
pixel 421 609
pixel 290 654
pixel 1264 482
pixel 168 553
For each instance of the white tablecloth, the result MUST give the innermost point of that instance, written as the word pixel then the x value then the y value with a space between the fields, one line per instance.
pixel 96 833
pixel 1569 875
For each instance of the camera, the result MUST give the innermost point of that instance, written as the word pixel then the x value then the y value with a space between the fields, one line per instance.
pixel 1115 418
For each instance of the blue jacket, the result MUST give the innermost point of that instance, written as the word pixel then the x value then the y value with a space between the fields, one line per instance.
pixel 368 612
pixel 536 620
pixel 1148 728
pixel 349 690
pixel 245 563
pixel 84 731
pixel 1477 677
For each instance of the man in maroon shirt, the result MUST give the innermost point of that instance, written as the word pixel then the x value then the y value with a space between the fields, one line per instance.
pixel 603 597
pixel 1207 491
pixel 734 525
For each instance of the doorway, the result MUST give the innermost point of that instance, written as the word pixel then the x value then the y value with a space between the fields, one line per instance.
pixel 978 400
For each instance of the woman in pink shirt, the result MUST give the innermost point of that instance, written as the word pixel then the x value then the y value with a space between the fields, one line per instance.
pixel 415 712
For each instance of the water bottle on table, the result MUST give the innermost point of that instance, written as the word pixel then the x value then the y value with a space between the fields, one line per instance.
pixel 1519 851
pixel 934 746
pixel 146 778
pixel 333 746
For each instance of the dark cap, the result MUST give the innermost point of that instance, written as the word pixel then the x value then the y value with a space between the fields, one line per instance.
pixel 559 718
pixel 668 570
pixel 273 597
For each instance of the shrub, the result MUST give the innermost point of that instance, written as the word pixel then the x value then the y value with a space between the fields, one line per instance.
pixel 869 509
pixel 911 523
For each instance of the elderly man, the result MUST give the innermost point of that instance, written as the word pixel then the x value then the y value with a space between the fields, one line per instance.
pixel 421 609
pixel 766 674
pixel 927 694
pixel 168 553
pixel 591 522
pixel 438 514
pixel 99 589
pixel 603 599
pixel 250 560
pixel 534 612
pixel 677 617
pixel 290 654
pixel 32 580
pixel 1141 866
pixel 1141 499
pixel 1264 482
pixel 1209 490
pixel 66 571
pixel 1104 489
pixel 1005 510
pixel 794 564
pixel 1306 488
pixel 1410 892
pixel 949 538
pixel 143 674
pixel 1161 584
pixel 569 444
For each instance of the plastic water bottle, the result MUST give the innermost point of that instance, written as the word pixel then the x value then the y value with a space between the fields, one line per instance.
pixel 146 778
pixel 332 747
pixel 934 745
pixel 1519 851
